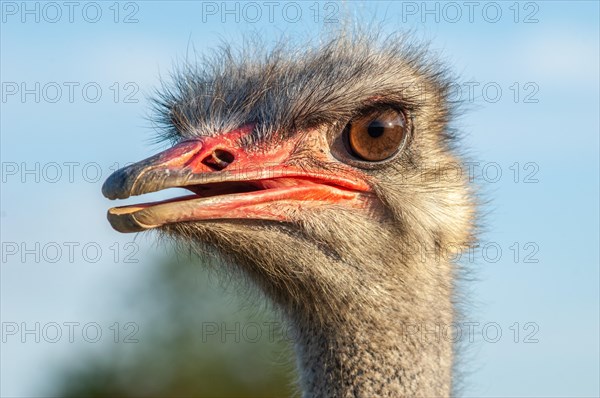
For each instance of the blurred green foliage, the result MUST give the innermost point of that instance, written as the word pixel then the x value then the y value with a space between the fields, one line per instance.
pixel 197 338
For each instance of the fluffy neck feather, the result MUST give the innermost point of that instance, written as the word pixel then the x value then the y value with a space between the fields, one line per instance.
pixel 373 320
pixel 404 348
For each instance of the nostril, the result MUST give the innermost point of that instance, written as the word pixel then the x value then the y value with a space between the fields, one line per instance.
pixel 218 159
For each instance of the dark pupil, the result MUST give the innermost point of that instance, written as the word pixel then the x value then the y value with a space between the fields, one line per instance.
pixel 376 129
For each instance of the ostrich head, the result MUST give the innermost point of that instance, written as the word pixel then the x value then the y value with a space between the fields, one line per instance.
pixel 320 173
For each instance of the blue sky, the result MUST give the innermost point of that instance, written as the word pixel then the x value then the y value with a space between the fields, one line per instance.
pixel 550 134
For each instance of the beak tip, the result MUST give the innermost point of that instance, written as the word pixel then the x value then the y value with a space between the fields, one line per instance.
pixel 124 223
pixel 106 192
pixel 116 186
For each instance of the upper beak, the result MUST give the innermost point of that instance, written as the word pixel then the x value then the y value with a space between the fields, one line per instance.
pixel 228 182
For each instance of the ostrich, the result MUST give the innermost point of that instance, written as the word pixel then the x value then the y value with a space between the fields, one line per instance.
pixel 317 173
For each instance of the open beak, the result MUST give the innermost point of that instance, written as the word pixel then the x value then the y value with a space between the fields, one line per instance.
pixel 227 182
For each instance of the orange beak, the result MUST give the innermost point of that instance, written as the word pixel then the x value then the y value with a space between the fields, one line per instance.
pixel 229 182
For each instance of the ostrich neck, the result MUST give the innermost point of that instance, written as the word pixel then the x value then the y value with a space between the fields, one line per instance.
pixel 403 350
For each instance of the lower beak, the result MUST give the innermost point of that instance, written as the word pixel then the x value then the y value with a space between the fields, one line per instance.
pixel 227 182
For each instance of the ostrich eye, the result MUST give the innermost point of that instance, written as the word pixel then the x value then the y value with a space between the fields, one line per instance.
pixel 378 136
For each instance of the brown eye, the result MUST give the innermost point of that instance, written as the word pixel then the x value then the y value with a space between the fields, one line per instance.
pixel 377 136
